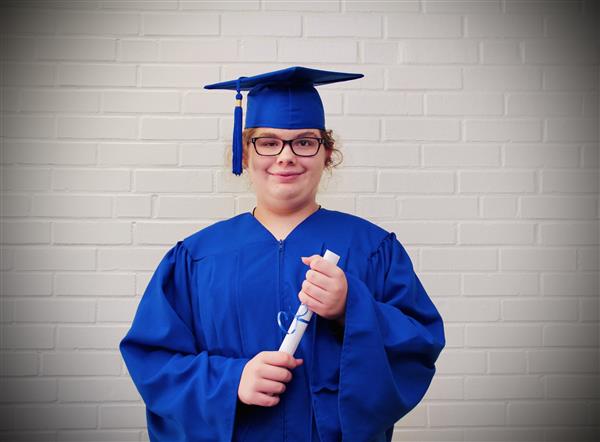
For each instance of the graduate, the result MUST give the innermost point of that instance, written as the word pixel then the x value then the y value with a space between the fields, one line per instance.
pixel 203 347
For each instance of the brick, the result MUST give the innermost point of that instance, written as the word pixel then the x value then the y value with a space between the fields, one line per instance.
pixel 572 387
pixel 161 233
pixel 208 207
pixel 504 25
pixel 180 24
pixel 179 128
pixel 28 390
pixel 503 387
pixel 500 284
pixel 59 101
pixel 28 74
pixel 25 232
pixel 563 361
pixel 94 390
pixel 6 259
pixel 464 104
pixel 439 51
pixel 122 416
pixel 98 49
pixel 355 129
pixel 18 48
pixel 54 417
pixel 133 206
pixel 379 52
pixel 376 207
pixel 30 126
pixel 54 258
pixel 445 388
pixel 461 155
pixel 468 310
pixel 95 284
pixel 104 435
pixel 54 310
pixel 92 74
pixel 545 413
pixel 99 180
pixel 48 152
pixel 332 202
pixel 556 207
pixel 249 23
pixel 427 78
pixel 421 233
pixel 539 310
pixel 23 179
pixel 502 79
pixel 137 154
pixel 15 205
pixel 94 206
pixel 19 364
pixel 225 181
pixel 116 310
pixel 569 26
pixel 317 50
pixel 173 181
pixel 496 182
pixel 542 155
pixel 346 25
pixel 571 335
pixel 295 5
pixel 137 50
pixel 81 364
pixel 438 208
pixel 11 100
pixel 92 233
pixel 587 259
pixel 208 5
pixel 532 6
pixel 482 414
pixel 503 335
pixel 389 103
pixel 504 434
pixel 569 181
pixel 23 337
pixel 207 102
pixel 463 258
pixel 129 258
pixel 462 7
pixel 544 104
pixel 415 182
pixel 423 26
pixel 570 284
pixel 144 102
pixel 461 362
pixel 258 49
pixel 572 130
pixel 139 4
pixel 499 207
pixel 590 157
pixel 496 233
pixel 97 127
pixel 421 129
pixel 555 52
pixel 503 130
pixel 28 21
pixel 71 22
pixel 507 362
pixel 350 181
pixel 28 284
pixel 182 51
pixel 380 155
pixel 570 78
pixel 500 52
pixel 86 337
pixel 546 259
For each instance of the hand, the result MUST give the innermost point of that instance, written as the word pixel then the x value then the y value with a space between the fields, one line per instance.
pixel 264 378
pixel 325 289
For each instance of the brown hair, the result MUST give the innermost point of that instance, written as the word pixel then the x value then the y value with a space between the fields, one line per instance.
pixel 333 160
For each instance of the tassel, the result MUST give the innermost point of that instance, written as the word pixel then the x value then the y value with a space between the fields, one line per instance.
pixel 237 133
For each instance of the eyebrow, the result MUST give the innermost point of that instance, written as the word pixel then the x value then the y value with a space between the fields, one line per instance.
pixel 271 134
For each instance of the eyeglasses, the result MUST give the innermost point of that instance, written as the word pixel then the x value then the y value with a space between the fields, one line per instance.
pixel 302 147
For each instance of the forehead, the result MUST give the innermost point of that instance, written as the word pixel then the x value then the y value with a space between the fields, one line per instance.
pixel 286 133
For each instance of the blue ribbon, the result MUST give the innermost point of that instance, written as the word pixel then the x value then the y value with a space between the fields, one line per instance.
pixel 297 317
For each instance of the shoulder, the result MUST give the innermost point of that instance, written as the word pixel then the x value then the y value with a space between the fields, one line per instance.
pixel 357 230
pixel 218 237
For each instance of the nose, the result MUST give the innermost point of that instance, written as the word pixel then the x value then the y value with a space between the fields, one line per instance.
pixel 286 155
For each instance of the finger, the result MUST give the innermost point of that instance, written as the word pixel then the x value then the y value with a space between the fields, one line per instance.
pixel 323 266
pixel 280 359
pixel 317 293
pixel 319 279
pixel 265 400
pixel 274 373
pixel 270 387
pixel 312 304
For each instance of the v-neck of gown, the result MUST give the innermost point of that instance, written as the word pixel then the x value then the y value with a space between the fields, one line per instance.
pixel 291 232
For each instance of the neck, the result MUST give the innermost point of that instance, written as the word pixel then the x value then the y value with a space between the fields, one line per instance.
pixel 282 220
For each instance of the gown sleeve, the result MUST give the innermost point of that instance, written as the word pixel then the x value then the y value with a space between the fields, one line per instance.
pixel 393 336
pixel 189 393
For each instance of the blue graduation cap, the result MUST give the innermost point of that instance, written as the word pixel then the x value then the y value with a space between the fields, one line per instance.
pixel 283 99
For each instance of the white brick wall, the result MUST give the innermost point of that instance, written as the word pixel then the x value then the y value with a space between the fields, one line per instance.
pixel 473 136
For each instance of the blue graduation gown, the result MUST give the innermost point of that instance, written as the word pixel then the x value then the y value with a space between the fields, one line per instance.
pixel 212 305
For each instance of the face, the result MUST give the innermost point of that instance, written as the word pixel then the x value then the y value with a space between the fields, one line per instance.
pixel 286 180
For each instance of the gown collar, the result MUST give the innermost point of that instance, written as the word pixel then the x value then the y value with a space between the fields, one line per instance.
pixel 305 221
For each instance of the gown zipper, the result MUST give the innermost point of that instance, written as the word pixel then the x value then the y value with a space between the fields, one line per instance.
pixel 280 295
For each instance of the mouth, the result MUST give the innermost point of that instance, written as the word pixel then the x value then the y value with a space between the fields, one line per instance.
pixel 286 174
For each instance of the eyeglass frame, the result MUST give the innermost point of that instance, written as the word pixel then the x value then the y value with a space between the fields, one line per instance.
pixel 320 140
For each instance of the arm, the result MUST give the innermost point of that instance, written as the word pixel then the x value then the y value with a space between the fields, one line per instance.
pixel 189 393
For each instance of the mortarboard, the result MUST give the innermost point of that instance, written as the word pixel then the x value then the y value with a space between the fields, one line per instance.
pixel 283 99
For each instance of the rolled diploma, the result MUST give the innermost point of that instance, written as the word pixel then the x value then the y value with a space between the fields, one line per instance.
pixel 292 339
